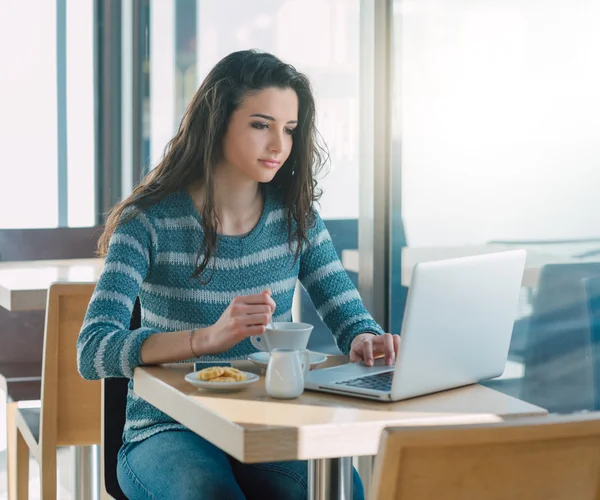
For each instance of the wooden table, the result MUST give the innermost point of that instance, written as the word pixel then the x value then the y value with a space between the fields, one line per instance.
pixel 24 285
pixel 536 259
pixel 321 428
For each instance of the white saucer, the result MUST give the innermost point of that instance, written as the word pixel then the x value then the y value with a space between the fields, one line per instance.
pixel 192 378
pixel 262 358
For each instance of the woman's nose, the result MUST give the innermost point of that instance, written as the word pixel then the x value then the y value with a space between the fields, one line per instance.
pixel 276 143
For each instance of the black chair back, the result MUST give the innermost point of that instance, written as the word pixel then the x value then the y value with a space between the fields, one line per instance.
pixel 115 399
pixel 558 358
pixel 592 288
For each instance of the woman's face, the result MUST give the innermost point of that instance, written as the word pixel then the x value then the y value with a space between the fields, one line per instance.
pixel 259 137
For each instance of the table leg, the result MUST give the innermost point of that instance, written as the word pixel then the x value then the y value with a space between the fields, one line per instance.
pixel 11 450
pixel 87 472
pixel 365 470
pixel 330 479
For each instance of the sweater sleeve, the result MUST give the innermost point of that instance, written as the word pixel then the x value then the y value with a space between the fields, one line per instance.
pixel 334 295
pixel 106 347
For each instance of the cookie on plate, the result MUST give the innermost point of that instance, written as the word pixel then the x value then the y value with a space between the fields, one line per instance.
pixel 222 379
pixel 234 373
pixel 210 373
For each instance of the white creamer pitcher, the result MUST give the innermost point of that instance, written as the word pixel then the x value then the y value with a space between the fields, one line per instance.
pixel 286 371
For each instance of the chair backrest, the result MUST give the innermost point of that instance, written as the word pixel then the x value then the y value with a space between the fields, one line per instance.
pixel 114 401
pixel 70 405
pixel 558 371
pixel 544 458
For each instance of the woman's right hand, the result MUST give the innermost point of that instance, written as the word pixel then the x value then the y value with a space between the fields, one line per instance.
pixel 246 316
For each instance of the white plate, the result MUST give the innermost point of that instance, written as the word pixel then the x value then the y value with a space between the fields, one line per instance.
pixel 262 358
pixel 192 378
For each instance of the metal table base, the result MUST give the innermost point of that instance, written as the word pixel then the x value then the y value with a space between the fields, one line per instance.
pixel 86 460
pixel 330 479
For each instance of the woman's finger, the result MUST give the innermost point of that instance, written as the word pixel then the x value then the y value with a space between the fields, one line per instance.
pixel 396 344
pixel 254 330
pixel 256 319
pixel 367 351
pixel 388 348
pixel 271 304
pixel 356 355
pixel 254 309
pixel 378 346
pixel 260 299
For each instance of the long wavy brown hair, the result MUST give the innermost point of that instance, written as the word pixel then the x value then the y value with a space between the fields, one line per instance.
pixel 193 154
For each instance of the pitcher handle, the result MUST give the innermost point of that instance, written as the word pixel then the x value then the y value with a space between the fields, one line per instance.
pixel 259 342
pixel 305 361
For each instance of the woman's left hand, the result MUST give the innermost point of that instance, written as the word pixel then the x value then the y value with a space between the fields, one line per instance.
pixel 366 347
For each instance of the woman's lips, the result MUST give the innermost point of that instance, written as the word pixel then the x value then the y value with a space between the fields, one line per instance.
pixel 270 163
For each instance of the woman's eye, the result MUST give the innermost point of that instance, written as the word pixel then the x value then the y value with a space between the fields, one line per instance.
pixel 290 131
pixel 260 126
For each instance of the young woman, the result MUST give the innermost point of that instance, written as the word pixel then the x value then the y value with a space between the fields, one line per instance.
pixel 213 241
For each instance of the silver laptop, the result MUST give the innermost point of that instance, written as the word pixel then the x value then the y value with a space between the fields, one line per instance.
pixel 457 328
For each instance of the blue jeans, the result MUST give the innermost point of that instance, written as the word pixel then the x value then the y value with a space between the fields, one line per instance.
pixel 181 465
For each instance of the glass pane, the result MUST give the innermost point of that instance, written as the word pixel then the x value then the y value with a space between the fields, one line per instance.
pixel 29 127
pixel 188 38
pixel 28 170
pixel 499 122
pixel 329 56
pixel 80 113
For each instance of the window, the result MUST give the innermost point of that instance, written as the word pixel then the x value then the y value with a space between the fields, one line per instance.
pixel 499 118
pixel 47 114
pixel 188 38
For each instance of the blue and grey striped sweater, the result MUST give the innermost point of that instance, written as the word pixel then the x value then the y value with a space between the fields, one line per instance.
pixel 153 256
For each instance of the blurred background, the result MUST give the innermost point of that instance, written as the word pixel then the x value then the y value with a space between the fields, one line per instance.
pixel 455 127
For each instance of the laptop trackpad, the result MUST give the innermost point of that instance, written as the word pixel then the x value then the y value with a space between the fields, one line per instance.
pixel 347 372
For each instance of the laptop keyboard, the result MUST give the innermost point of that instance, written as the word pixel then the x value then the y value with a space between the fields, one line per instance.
pixel 378 382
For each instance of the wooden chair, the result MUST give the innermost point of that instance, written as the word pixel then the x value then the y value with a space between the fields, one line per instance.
pixel 70 406
pixel 21 332
pixel 548 458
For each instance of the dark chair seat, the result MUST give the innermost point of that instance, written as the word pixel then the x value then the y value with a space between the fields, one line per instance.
pixel 24 391
pixel 19 372
pixel 51 243
pixel 21 381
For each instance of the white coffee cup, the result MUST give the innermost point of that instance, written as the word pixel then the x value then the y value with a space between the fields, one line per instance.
pixel 286 335
pixel 286 371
